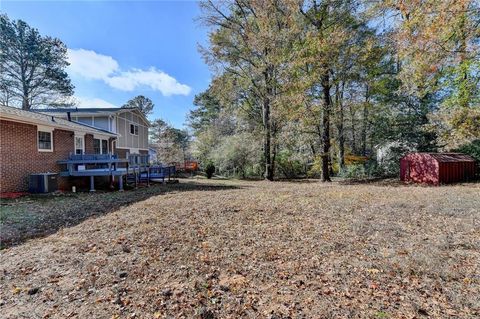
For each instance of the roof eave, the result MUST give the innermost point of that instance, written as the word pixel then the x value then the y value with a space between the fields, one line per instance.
pixel 82 128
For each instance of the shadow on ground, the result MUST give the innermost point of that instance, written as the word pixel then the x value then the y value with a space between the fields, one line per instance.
pixel 39 215
pixel 395 182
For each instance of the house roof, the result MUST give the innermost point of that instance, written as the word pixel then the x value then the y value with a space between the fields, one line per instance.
pixel 82 110
pixel 36 118
pixel 95 111
pixel 451 157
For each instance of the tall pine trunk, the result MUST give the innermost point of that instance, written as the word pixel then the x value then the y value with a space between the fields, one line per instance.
pixel 340 126
pixel 267 127
pixel 25 98
pixel 365 122
pixel 267 139
pixel 353 130
pixel 326 127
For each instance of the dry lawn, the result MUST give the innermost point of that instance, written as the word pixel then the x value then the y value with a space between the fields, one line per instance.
pixel 259 250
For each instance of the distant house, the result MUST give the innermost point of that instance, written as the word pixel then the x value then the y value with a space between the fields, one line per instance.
pixel 130 124
pixel 32 142
pixel 437 168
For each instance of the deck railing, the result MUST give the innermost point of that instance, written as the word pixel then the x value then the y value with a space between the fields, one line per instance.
pixel 89 157
pixel 138 159
pixel 136 167
pixel 91 165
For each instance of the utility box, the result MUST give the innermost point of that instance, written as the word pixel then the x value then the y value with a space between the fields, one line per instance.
pixel 43 183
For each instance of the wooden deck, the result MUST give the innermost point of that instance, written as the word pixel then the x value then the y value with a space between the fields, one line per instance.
pixel 135 169
pixel 91 165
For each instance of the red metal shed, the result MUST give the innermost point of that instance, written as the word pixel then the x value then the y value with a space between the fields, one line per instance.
pixel 436 168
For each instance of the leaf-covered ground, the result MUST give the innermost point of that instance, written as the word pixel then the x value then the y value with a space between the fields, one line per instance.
pixel 259 250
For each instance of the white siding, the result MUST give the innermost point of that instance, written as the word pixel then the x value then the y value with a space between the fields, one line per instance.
pixel 87 120
pixel 101 122
pixel 121 126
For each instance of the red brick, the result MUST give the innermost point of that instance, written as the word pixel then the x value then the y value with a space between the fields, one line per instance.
pixel 19 155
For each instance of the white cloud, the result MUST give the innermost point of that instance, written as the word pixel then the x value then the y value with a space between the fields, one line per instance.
pixel 152 78
pixel 92 65
pixel 84 102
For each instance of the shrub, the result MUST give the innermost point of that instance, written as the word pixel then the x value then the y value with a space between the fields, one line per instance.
pixel 354 171
pixel 209 170
pixel 236 155
pixel 355 159
pixel 369 169
pixel 389 156
pixel 472 149
pixel 288 165
pixel 316 168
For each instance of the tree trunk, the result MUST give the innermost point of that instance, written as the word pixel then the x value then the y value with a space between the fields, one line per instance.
pixel 365 123
pixel 267 140
pixel 25 103
pixel 340 127
pixel 326 127
pixel 353 130
pixel 25 99
pixel 274 156
pixel 267 128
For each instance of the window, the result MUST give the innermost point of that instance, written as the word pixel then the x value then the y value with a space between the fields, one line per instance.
pixel 96 146
pixel 45 143
pixel 133 129
pixel 104 146
pixel 100 146
pixel 79 145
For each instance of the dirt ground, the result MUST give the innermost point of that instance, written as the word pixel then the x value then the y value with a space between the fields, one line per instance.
pixel 231 249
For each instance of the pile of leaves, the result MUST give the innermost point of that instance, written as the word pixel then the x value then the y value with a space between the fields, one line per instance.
pixel 259 250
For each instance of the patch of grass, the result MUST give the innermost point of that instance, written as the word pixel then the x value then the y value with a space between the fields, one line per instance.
pixel 17 215
pixel 382 314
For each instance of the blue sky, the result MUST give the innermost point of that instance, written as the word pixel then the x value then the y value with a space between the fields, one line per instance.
pixel 120 49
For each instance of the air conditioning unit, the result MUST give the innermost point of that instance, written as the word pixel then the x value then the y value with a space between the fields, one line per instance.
pixel 43 183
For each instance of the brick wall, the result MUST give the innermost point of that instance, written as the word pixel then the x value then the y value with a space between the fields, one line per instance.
pixel 89 144
pixel 19 155
pixel 121 152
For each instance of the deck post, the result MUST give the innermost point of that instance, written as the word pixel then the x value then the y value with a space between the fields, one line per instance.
pixel 120 184
pixel 148 176
pixel 92 184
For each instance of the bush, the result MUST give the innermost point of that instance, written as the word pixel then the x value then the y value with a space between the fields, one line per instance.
pixel 472 149
pixel 389 156
pixel 355 171
pixel 369 169
pixel 315 169
pixel 355 159
pixel 288 165
pixel 236 155
pixel 209 170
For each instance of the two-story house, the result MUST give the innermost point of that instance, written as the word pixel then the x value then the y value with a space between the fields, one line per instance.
pixel 33 143
pixel 130 125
